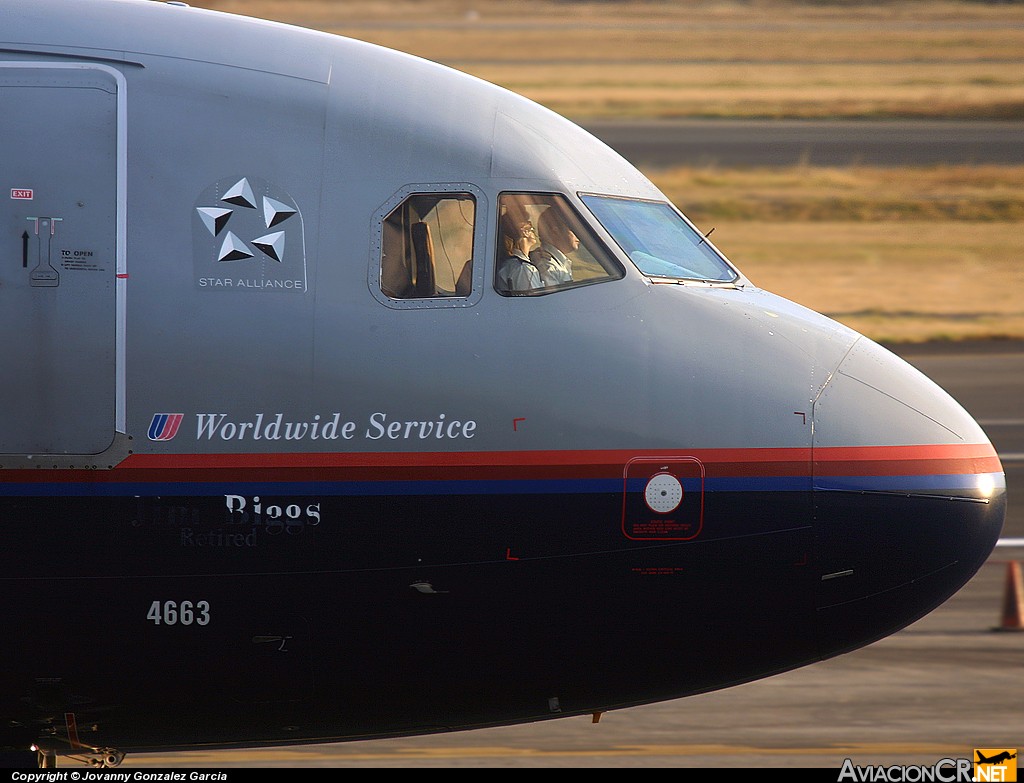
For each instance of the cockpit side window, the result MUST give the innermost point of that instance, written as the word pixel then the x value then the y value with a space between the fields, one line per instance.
pixel 545 246
pixel 427 247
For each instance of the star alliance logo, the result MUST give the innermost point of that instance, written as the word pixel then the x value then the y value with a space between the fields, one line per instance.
pixel 248 234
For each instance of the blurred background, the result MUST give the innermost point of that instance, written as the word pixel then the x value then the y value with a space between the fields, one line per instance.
pixel 863 158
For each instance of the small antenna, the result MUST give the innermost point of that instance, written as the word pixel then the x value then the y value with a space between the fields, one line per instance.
pixel 712 231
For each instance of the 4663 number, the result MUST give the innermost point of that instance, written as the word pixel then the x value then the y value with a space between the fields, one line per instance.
pixel 179 613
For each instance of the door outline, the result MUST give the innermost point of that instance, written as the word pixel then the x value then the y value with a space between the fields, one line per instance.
pixel 120 229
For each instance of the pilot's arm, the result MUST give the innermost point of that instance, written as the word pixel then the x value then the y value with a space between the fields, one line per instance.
pixel 520 275
pixel 554 268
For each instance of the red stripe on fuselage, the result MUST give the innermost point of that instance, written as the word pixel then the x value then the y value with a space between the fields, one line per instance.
pixel 934 460
pixel 496 465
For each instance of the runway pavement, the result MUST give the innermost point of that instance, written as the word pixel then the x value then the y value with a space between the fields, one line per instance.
pixel 938 689
pixel 726 143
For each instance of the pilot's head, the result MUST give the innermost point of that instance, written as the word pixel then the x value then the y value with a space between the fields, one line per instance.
pixel 554 230
pixel 517 232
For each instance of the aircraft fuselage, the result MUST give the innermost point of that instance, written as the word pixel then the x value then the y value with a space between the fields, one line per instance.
pixel 283 460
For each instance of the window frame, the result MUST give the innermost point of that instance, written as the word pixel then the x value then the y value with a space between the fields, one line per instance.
pixel 480 244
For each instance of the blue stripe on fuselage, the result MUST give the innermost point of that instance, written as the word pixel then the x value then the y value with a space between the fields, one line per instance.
pixel 496 487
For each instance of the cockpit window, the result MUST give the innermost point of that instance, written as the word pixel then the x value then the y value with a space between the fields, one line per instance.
pixel 659 240
pixel 544 246
pixel 427 247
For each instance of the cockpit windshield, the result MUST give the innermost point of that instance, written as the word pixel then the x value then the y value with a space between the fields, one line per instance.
pixel 659 240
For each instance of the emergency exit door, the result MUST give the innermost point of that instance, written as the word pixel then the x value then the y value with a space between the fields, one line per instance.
pixel 58 258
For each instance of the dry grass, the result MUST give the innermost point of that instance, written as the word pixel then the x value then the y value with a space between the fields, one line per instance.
pixel 791 89
pixel 892 281
pixel 899 254
pixel 855 193
pixel 694 39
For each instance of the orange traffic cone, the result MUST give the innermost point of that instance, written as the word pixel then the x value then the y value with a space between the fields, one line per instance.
pixel 1013 600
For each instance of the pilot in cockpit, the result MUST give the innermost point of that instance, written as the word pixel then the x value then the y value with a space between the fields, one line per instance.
pixel 518 237
pixel 558 242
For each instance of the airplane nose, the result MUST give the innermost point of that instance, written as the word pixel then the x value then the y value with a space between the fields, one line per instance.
pixel 910 497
